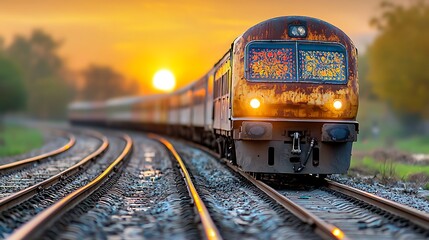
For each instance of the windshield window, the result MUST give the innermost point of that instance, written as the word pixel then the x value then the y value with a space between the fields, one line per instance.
pixel 272 62
pixel 296 62
pixel 321 63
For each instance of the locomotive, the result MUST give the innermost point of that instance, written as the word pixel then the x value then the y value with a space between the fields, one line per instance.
pixel 283 99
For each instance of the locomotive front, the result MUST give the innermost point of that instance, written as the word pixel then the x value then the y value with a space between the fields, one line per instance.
pixel 294 97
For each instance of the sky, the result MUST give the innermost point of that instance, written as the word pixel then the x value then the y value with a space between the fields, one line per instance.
pixel 139 37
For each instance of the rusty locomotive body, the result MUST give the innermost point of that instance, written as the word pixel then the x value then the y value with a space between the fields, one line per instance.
pixel 283 99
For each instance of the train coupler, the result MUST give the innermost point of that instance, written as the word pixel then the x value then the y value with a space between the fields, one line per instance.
pixel 299 166
pixel 296 144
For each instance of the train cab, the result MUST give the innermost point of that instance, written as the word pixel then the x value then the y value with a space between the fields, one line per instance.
pixel 294 97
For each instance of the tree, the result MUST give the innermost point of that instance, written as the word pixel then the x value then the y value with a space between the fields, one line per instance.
pixel 1 43
pixel 12 91
pixel 103 82
pixel 43 73
pixel 398 59
pixel 365 86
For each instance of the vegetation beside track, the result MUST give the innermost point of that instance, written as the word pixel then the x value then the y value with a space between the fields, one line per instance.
pixel 384 151
pixel 413 145
pixel 17 139
pixel 390 169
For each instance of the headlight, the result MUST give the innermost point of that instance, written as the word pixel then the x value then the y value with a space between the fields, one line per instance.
pixel 297 31
pixel 338 233
pixel 338 104
pixel 254 103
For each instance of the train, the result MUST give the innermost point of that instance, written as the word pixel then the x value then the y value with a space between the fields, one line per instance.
pixel 283 99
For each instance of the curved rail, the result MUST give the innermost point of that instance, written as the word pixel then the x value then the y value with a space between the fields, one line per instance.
pixel 18 197
pixel 27 161
pixel 210 230
pixel 34 228
pixel 413 215
pixel 322 228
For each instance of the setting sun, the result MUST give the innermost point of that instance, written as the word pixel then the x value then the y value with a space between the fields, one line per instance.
pixel 164 80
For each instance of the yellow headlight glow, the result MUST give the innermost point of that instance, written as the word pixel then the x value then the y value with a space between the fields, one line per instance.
pixel 338 233
pixel 254 103
pixel 338 104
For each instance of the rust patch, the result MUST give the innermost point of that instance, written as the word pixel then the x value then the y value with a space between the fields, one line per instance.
pixel 292 99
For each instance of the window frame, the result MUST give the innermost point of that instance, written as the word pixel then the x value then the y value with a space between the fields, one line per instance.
pixel 312 45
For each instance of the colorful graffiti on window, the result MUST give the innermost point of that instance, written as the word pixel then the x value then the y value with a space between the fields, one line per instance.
pixel 271 64
pixel 322 65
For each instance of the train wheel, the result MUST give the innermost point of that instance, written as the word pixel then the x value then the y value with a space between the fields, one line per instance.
pixel 220 141
pixel 323 176
pixel 230 154
pixel 257 176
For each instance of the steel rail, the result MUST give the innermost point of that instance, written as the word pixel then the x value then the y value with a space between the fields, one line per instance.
pixel 25 194
pixel 415 216
pixel 323 229
pixel 210 230
pixel 24 162
pixel 35 227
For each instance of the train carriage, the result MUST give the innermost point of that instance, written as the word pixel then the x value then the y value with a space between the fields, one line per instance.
pixel 119 111
pixel 150 113
pixel 185 111
pixel 90 113
pixel 283 99
pixel 199 105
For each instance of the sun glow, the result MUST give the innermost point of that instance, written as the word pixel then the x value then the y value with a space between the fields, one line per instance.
pixel 164 80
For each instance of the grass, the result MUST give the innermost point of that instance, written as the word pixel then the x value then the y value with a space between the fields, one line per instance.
pixel 368 145
pixel 416 144
pixel 380 130
pixel 389 168
pixel 376 113
pixel 15 140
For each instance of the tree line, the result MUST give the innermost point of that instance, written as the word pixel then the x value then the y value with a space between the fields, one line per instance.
pixel 394 69
pixel 35 78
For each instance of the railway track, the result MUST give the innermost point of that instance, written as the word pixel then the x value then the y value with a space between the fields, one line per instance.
pixel 18 164
pixel 70 216
pixel 210 230
pixel 132 197
pixel 148 200
pixel 336 211
pixel 239 209
pixel 414 216
pixel 322 228
pixel 356 218
pixel 20 186
pixel 104 171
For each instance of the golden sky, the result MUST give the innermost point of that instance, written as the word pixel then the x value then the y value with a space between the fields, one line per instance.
pixel 138 37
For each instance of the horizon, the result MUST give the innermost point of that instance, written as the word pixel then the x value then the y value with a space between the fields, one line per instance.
pixel 139 38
